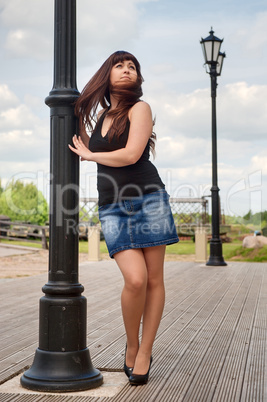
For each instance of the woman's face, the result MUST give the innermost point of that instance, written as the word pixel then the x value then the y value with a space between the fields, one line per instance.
pixel 124 71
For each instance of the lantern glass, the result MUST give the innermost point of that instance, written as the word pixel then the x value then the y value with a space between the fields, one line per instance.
pixel 211 48
pixel 216 50
pixel 220 63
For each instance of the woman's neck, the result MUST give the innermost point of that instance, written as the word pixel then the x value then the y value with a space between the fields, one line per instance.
pixel 113 102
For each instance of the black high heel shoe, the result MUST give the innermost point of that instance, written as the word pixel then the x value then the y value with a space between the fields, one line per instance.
pixel 127 370
pixel 140 379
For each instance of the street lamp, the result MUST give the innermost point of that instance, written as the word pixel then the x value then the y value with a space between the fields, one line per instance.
pixel 214 60
pixel 62 361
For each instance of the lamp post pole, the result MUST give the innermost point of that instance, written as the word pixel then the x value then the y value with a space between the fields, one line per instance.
pixel 214 59
pixel 216 257
pixel 62 361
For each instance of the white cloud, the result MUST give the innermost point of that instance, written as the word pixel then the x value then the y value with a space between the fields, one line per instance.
pixel 7 98
pixel 165 38
pixel 101 25
pixel 25 146
pixel 35 103
pixel 104 27
pixel 20 117
pixel 253 37
pixel 16 13
pixel 29 28
pixel 29 42
pixel 162 68
pixel 259 162
pixel 24 136
pixel 241 112
pixel 180 151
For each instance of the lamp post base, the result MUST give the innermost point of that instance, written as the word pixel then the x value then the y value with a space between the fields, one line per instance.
pixel 216 257
pixel 61 372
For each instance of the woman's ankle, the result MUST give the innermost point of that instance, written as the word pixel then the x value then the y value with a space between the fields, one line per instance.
pixel 131 353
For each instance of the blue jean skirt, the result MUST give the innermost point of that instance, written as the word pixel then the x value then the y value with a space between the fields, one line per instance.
pixel 138 222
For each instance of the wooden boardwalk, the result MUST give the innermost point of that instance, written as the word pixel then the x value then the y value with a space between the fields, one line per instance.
pixel 211 345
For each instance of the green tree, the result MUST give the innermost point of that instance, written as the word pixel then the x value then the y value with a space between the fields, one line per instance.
pixel 1 188
pixel 248 216
pixel 24 202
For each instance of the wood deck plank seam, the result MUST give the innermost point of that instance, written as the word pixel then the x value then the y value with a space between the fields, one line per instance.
pixel 168 371
pixel 97 316
pixel 119 347
pixel 19 318
pixel 160 332
pixel 183 357
pixel 217 350
pixel 6 329
pixel 214 376
pixel 18 344
pixel 49 398
pixel 36 323
pixel 240 346
pixel 173 322
pixel 17 367
pixel 254 384
pixel 89 334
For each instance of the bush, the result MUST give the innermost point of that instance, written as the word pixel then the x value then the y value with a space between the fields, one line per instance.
pixel 23 202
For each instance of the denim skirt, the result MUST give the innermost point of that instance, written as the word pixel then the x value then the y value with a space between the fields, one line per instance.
pixel 138 222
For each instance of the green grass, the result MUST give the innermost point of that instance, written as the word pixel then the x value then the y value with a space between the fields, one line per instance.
pixel 183 247
pixel 83 246
pixel 231 251
pixel 103 247
pixel 21 243
pixel 247 254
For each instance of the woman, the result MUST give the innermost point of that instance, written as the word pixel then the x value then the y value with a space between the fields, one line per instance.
pixel 133 205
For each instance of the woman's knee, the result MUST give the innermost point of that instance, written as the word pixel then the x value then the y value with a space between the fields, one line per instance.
pixel 155 280
pixel 133 267
pixel 136 284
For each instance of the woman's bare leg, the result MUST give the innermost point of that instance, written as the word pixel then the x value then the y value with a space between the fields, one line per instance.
pixel 133 267
pixel 154 305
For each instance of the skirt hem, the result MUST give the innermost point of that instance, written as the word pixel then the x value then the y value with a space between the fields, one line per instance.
pixel 146 245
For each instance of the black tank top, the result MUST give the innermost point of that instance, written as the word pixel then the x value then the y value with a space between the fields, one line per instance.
pixel 115 184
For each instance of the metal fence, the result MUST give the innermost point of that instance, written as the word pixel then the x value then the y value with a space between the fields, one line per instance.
pixel 25 232
pixel 188 213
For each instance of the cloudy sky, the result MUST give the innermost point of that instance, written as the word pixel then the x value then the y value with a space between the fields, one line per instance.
pixel 164 35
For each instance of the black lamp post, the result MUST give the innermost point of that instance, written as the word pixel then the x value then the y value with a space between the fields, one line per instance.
pixel 62 361
pixel 214 59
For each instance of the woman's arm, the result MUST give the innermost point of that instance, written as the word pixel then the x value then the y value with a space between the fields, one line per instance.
pixel 83 134
pixel 141 126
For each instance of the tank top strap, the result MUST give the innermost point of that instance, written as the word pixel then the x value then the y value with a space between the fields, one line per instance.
pixel 99 123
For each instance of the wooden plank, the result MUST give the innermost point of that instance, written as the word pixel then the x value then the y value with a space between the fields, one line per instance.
pixel 182 362
pixel 49 398
pixel 254 387
pixel 116 361
pixel 178 306
pixel 211 344
pixel 223 361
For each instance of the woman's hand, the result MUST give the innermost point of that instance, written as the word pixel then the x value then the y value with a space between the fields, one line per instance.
pixel 80 149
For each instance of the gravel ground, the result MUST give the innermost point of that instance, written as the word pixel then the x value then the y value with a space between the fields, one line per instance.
pixel 32 263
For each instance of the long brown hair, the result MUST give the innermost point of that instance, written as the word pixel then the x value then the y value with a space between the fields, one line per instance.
pixel 97 92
